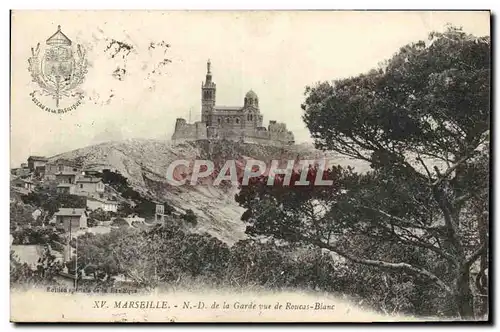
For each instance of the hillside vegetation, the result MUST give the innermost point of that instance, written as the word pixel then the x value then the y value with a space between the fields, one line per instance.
pixel 144 163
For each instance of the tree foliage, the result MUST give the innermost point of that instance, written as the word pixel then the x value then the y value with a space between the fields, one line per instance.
pixel 20 215
pixel 190 217
pixel 51 201
pixel 101 215
pixel 116 180
pixel 422 122
pixel 35 235
pixel 120 222
pixel 44 272
pixel 164 253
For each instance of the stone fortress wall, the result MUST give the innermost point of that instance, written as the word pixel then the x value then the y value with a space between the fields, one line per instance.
pixel 189 131
pixel 239 123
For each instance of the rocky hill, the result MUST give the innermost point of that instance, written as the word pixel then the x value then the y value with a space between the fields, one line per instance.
pixel 145 162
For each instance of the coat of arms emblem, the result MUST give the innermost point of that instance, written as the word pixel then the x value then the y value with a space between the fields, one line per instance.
pixel 59 71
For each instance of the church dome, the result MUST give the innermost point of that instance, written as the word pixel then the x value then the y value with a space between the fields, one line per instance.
pixel 251 94
pixel 251 99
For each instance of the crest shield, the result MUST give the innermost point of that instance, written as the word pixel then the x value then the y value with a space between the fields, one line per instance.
pixel 58 62
pixel 58 72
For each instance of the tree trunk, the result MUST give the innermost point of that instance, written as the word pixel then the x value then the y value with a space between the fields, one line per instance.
pixel 464 298
pixel 481 279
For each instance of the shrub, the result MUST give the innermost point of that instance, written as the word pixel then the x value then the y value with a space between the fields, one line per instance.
pixel 35 235
pixel 20 214
pixel 91 222
pixel 190 217
pixel 46 269
pixel 100 214
pixel 116 180
pixel 51 201
pixel 120 222
pixel 124 209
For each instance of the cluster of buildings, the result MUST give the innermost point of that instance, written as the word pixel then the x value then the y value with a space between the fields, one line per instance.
pixel 235 123
pixel 68 178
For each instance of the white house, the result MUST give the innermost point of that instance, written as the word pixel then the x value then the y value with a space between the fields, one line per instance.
pixel 135 218
pixel 96 203
pixel 89 185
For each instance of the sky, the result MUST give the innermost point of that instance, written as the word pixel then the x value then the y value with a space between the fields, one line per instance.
pixel 133 92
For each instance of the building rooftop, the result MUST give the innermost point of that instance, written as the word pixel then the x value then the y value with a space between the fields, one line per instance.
pixel 22 180
pixel 37 158
pixel 64 185
pixel 90 171
pixel 102 200
pixel 88 180
pixel 19 190
pixel 65 162
pixel 67 173
pixel 228 108
pixel 69 212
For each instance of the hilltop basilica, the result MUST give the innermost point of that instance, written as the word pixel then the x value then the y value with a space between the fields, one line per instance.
pixel 241 124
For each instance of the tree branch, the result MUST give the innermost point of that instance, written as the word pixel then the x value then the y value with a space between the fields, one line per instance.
pixel 417 242
pixel 429 246
pixel 474 256
pixel 353 152
pixel 380 264
pixel 401 221
pixel 459 200
pixel 425 167
pixel 450 170
pixel 404 223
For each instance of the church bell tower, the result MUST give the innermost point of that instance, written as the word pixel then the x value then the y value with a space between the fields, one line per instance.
pixel 207 95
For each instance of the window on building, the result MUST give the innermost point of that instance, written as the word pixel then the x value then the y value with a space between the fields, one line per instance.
pixel 81 186
pixel 218 121
pixel 228 120
pixel 249 117
pixel 237 121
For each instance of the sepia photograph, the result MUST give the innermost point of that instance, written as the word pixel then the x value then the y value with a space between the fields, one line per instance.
pixel 236 166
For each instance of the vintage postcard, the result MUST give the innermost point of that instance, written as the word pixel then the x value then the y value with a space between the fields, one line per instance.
pixel 250 166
